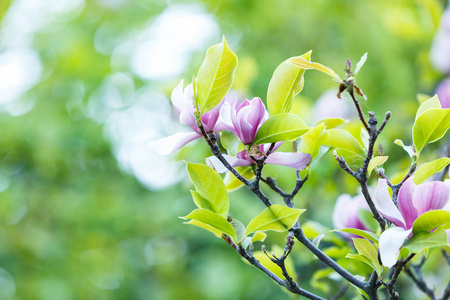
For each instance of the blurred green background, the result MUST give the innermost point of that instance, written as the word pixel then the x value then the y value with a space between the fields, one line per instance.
pixel 88 212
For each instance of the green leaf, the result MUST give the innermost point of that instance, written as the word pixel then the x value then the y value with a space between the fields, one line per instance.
pixel 211 191
pixel 341 139
pixel 367 219
pixel 360 64
pixel 286 82
pixel 212 219
pixel 430 126
pixel 232 183
pixel 375 162
pixel 215 76
pixel 282 127
pixel 423 240
pixel 305 64
pixel 311 140
pixel 427 170
pixel 331 122
pixel 362 258
pixel 362 233
pixel 239 228
pixel 275 217
pixel 230 142
pixel 409 149
pixel 431 220
pixel 433 102
pixel 216 232
pixel 366 249
pixel 259 236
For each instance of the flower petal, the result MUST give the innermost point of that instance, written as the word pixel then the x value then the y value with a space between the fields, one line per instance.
pixel 385 206
pixel 177 98
pixel 405 202
pixel 298 161
pixel 431 195
pixel 217 165
pixel 172 143
pixel 390 243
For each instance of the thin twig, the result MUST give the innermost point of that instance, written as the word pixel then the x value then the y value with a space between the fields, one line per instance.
pixel 291 286
pixel 397 270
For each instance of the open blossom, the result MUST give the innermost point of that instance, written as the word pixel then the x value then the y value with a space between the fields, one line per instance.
pixel 244 119
pixel 298 161
pixel 346 212
pixel 443 92
pixel 183 104
pixel 413 201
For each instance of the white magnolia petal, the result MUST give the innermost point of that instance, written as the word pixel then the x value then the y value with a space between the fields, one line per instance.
pixel 217 165
pixel 390 243
pixel 177 98
pixel 172 143
pixel 298 161
pixel 385 206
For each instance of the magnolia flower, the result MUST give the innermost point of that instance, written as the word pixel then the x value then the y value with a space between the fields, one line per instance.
pixel 413 201
pixel 244 119
pixel 439 54
pixel 298 161
pixel 345 214
pixel 183 104
pixel 443 92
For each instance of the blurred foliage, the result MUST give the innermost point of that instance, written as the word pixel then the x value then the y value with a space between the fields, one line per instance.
pixel 75 226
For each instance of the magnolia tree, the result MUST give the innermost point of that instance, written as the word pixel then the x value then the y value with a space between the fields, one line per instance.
pixel 410 217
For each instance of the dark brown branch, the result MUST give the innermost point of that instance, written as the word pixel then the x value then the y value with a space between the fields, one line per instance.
pixel 398 267
pixel 291 285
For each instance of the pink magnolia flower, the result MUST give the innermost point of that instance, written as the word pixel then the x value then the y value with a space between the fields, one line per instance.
pixel 443 92
pixel 183 104
pixel 345 213
pixel 413 201
pixel 298 161
pixel 439 54
pixel 244 119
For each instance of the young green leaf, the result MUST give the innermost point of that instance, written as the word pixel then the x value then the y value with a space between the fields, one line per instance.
pixel 331 122
pixel 360 64
pixel 275 217
pixel 362 233
pixel 216 232
pixel 232 183
pixel 341 139
pixel 429 169
pixel 259 236
pixel 433 102
pixel 430 126
pixel 282 127
pixel 366 249
pixel 230 142
pixel 286 82
pixel 423 240
pixel 215 76
pixel 362 258
pixel 311 141
pixel 212 219
pixel 305 64
pixel 431 220
pixel 211 191
pixel 239 228
pixel 375 162
pixel 409 149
